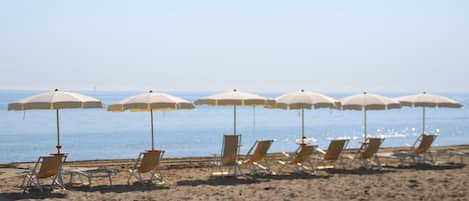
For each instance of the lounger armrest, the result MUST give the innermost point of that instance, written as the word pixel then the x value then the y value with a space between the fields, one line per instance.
pixel 321 151
pixel 286 154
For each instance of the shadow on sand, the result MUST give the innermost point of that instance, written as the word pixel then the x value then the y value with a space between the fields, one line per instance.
pixel 34 194
pixel 431 167
pixel 218 181
pixel 359 171
pixel 120 188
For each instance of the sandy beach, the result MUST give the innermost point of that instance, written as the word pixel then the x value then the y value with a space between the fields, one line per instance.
pixel 189 179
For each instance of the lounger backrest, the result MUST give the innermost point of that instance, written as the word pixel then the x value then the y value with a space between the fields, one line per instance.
pixel 261 150
pixel 149 161
pixel 372 148
pixel 304 154
pixel 426 142
pixel 230 149
pixel 50 166
pixel 335 149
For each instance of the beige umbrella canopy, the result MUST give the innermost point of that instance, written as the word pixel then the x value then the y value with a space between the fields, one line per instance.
pixel 425 100
pixel 365 102
pixel 303 100
pixel 55 100
pixel 233 98
pixel 147 102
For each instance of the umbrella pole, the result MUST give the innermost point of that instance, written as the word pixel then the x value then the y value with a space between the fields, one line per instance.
pixel 58 133
pixel 302 126
pixel 234 119
pixel 254 119
pixel 152 131
pixel 423 120
pixel 364 124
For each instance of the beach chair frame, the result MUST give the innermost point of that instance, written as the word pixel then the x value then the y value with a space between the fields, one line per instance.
pixel 419 154
pixel 45 167
pixel 300 159
pixel 155 171
pixel 257 160
pixel 333 154
pixel 367 155
pixel 227 161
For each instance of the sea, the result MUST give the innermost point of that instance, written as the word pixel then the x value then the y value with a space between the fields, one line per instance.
pixel 89 134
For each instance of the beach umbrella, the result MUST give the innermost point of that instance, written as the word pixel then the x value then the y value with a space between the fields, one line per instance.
pixel 148 102
pixel 55 100
pixel 365 102
pixel 425 100
pixel 233 98
pixel 303 100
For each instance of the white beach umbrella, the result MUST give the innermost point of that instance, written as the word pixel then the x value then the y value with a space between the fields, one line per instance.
pixel 55 100
pixel 365 102
pixel 303 100
pixel 425 100
pixel 233 98
pixel 147 102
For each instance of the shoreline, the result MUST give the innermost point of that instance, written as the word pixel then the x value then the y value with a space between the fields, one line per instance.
pixel 206 158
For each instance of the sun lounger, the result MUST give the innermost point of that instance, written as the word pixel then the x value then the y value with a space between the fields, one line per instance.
pixel 228 159
pixel 299 159
pixel 46 167
pixel 332 154
pixel 258 161
pixel 451 154
pixel 90 173
pixel 147 162
pixel 367 154
pixel 418 154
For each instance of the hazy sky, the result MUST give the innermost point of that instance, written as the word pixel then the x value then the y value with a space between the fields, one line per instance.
pixel 326 46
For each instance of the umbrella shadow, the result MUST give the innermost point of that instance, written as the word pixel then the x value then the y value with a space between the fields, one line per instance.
pixel 359 171
pixel 120 188
pixel 431 167
pixel 293 176
pixel 219 181
pixel 33 194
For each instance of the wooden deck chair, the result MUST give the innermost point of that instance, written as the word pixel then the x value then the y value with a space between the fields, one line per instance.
pixel 228 159
pixel 420 153
pixel 46 167
pixel 258 160
pixel 147 162
pixel 333 154
pixel 298 160
pixel 367 154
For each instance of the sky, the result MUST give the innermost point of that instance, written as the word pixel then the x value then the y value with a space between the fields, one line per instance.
pixel 251 45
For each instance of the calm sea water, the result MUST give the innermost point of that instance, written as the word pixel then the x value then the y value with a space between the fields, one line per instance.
pixel 98 134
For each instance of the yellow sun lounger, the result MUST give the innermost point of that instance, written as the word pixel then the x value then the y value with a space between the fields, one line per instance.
pixel 228 159
pixel 332 154
pixel 420 153
pixel 258 161
pixel 147 162
pixel 46 167
pixel 299 159
pixel 367 155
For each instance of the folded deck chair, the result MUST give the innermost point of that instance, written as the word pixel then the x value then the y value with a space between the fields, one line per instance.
pixel 333 153
pixel 420 153
pixel 228 159
pixel 367 154
pixel 258 161
pixel 298 160
pixel 450 153
pixel 147 162
pixel 46 167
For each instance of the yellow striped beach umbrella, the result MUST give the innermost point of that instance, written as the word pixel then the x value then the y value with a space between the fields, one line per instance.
pixel 55 100
pixel 148 102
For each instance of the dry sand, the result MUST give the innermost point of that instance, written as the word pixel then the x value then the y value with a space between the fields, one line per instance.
pixel 188 179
